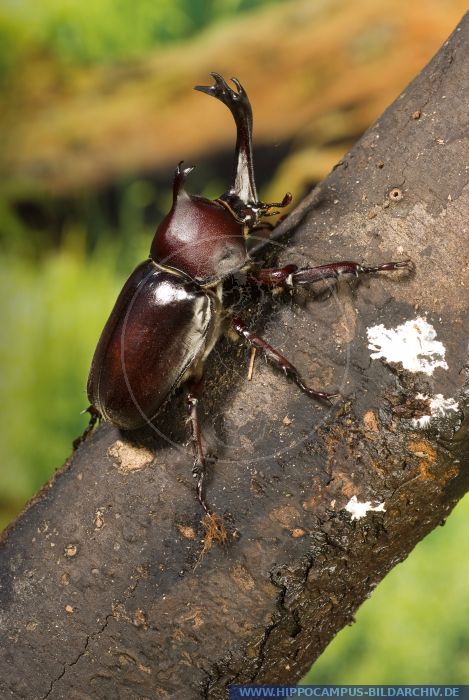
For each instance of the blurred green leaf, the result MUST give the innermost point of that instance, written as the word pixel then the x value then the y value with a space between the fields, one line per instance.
pixel 51 315
pixel 107 30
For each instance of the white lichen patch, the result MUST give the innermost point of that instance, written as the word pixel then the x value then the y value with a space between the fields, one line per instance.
pixel 413 343
pixel 359 509
pixel 439 407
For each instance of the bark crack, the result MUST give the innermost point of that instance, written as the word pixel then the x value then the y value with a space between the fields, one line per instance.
pixel 130 592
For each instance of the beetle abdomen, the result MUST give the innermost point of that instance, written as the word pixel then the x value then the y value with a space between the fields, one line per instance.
pixel 159 327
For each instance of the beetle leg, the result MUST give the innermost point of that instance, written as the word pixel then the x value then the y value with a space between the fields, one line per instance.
pixel 94 417
pixel 278 359
pixel 291 276
pixel 215 530
pixel 199 468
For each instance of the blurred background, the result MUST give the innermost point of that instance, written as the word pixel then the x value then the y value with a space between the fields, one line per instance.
pixel 96 110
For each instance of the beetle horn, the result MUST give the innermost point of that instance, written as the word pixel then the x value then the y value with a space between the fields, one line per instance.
pixel 243 189
pixel 180 176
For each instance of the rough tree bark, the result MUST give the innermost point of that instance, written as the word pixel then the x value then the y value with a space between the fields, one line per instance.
pixel 104 591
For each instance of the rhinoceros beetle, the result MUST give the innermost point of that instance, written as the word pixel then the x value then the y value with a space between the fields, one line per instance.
pixel 170 312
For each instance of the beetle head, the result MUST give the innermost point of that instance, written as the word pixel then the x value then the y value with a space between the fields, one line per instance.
pixel 202 238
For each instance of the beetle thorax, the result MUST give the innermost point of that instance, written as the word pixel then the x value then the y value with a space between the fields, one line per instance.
pixel 200 238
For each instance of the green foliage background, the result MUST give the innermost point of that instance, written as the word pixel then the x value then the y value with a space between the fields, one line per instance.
pixel 54 304
pixel 85 33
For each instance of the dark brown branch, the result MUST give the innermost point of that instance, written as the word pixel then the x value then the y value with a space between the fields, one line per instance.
pixel 103 589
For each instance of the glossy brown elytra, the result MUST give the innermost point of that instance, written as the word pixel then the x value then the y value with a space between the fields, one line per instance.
pixel 170 312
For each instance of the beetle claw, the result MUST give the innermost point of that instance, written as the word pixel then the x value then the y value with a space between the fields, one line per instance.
pixel 94 417
pixel 408 265
pixel 267 206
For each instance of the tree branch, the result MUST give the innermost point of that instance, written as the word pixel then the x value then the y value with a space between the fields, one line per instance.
pixel 104 591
